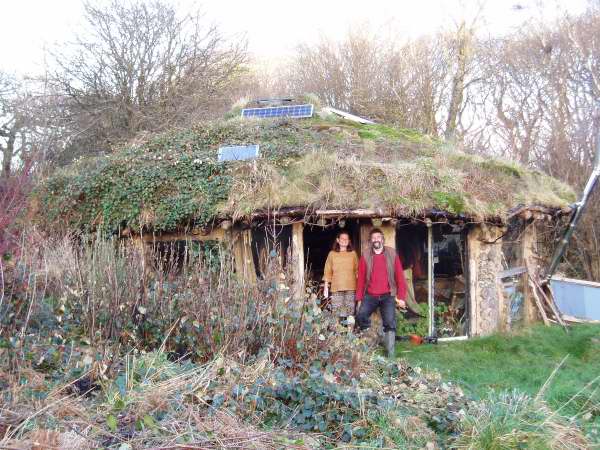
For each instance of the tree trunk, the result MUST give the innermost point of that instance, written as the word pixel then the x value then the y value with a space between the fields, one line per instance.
pixel 463 39
pixel 8 153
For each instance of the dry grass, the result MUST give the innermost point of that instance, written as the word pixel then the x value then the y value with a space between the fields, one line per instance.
pixel 442 179
pixel 512 420
pixel 159 386
pixel 312 163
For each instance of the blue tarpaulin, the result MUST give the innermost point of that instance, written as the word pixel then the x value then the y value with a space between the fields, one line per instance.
pixel 578 298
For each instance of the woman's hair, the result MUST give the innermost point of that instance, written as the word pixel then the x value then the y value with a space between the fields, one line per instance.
pixel 336 247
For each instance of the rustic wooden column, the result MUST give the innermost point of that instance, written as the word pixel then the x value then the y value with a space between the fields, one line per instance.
pixel 430 281
pixel 365 228
pixel 242 253
pixel 473 254
pixel 298 258
pixel 530 261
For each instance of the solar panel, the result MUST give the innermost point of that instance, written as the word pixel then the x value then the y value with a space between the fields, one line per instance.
pixel 297 111
pixel 238 152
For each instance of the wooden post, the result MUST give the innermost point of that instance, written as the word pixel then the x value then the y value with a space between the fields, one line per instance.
pixel 389 234
pixel 298 257
pixel 238 252
pixel 473 253
pixel 242 253
pixel 217 234
pixel 528 249
pixel 365 229
pixel 537 301
pixel 430 281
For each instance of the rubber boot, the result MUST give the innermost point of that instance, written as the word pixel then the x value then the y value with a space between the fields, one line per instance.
pixel 389 341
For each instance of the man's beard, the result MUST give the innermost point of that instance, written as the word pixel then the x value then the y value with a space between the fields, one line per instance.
pixel 376 245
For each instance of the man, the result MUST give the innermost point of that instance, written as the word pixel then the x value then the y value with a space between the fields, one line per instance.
pixel 380 284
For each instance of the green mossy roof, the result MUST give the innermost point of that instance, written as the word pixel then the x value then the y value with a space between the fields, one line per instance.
pixel 174 179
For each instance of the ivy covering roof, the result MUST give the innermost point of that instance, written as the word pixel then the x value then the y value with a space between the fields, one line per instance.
pixel 174 180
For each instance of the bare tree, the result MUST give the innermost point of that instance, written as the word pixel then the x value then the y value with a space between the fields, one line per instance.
pixel 141 66
pixel 342 74
pixel 461 47
pixel 540 86
pixel 12 123
pixel 416 84
pixel 401 83
pixel 32 127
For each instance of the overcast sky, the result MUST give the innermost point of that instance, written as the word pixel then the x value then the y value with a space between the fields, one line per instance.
pixel 273 27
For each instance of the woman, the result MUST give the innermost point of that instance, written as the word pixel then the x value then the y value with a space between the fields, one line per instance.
pixel 340 272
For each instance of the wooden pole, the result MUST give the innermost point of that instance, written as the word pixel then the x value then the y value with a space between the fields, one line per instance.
pixel 473 252
pixel 242 253
pixel 538 303
pixel 430 300
pixel 298 257
pixel 528 255
pixel 550 303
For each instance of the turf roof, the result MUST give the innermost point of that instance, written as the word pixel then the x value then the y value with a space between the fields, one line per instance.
pixel 174 179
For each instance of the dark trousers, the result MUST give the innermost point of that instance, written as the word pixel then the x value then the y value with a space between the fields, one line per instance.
pixel 387 307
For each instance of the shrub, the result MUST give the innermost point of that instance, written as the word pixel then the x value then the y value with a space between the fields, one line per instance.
pixel 105 291
pixel 14 190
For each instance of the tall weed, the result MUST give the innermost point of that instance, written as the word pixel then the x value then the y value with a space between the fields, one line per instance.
pixel 109 292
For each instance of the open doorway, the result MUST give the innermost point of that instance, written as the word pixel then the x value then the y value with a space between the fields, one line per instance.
pixel 411 245
pixel 449 299
pixel 451 313
pixel 318 241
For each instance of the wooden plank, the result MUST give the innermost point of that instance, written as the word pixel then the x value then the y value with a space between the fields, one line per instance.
pixel 512 272
pixel 430 282
pixel 529 253
pixel 248 256
pixel 550 303
pixel 538 303
pixel 238 254
pixel 574 319
pixel 473 250
pixel 218 234
pixel 242 252
pixel 389 234
pixel 348 212
pixel 520 211
pixel 365 228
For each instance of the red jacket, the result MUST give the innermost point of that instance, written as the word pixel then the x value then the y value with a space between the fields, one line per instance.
pixel 379 282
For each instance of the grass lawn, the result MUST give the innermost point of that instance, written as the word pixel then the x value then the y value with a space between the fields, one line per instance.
pixel 522 361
